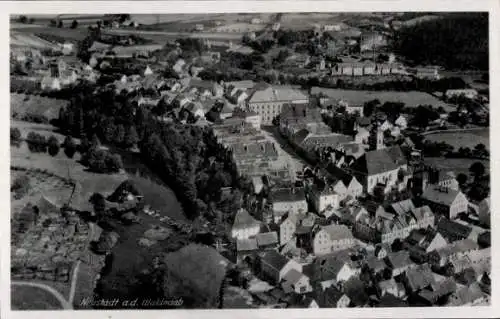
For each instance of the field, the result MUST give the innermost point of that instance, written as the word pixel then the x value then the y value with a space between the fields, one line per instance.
pixel 468 138
pixel 46 130
pixel 457 165
pixel 32 298
pixel 46 34
pixel 410 99
pixel 36 105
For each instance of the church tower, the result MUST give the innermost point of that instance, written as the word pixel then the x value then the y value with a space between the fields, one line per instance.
pixel 376 139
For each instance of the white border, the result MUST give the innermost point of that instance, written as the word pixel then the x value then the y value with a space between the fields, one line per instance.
pixel 136 7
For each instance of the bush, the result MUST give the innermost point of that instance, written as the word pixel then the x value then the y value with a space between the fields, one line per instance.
pixel 36 142
pixel 69 147
pixel 53 145
pixel 15 136
pixel 20 186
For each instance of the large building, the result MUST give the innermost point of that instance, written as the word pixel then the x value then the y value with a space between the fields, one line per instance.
pixel 268 102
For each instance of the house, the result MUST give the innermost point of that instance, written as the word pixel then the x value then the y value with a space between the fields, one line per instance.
pixel 423 216
pixel 381 251
pixel 268 102
pixel 332 297
pixel 332 238
pixel 468 93
pixel 391 287
pixel 330 270
pixel 324 198
pixel 275 266
pixel 452 231
pixel 288 200
pixel 287 229
pixel 386 166
pixel 456 250
pixel 245 247
pixel 296 282
pixel 430 296
pixel 148 71
pixel 361 136
pixel 391 301
pixel 307 302
pixel 267 240
pixel 445 201
pixel 418 278
pixel 50 83
pixel 427 73
pixel 399 262
pixel 401 122
pixel 484 212
pixel 422 242
pixel 467 296
pixel 374 266
pixel 244 225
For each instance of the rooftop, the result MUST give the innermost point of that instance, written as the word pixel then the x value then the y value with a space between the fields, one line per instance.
pixel 276 93
pixel 442 195
pixel 288 195
pixel 379 161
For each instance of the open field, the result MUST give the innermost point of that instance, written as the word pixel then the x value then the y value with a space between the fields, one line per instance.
pixel 467 138
pixel 46 34
pixel 36 105
pixel 32 298
pixel 457 165
pixel 87 182
pixel 410 99
pixel 26 38
pixel 46 130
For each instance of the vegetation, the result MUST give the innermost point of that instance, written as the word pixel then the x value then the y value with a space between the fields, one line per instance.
pixel 53 146
pixel 20 186
pixel 36 142
pixel 457 41
pixel 69 147
pixel 15 136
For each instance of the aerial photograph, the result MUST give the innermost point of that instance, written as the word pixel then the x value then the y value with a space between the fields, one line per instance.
pixel 249 160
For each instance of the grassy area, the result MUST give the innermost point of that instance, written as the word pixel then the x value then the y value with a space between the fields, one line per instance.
pixel 36 105
pixel 56 34
pixel 468 138
pixel 46 130
pixel 457 165
pixel 32 298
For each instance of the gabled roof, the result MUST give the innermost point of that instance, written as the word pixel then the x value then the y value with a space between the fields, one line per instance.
pixel 337 232
pixel 463 245
pixel 246 244
pixel 275 93
pixel 274 259
pixel 441 195
pixel 399 259
pixel 448 227
pixel 403 207
pixel 380 161
pixel 419 277
pixel 288 195
pixel 243 220
pixel 293 276
pixel 264 239
pixel 421 212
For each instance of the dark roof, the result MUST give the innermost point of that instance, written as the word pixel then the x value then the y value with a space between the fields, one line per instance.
pixel 288 195
pixel 449 229
pixel 379 161
pixel 399 259
pixel 419 277
pixel 389 300
pixel 331 296
pixel 355 289
pixel 244 219
pixel 264 239
pixel 246 244
pixel 274 259
pixel 375 264
pixel 402 207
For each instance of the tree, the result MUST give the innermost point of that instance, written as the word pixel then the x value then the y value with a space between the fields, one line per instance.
pixel 74 24
pixel 53 145
pixel 461 179
pixel 114 163
pixel 477 169
pixel 20 186
pixel 95 142
pixel 60 24
pixel 23 19
pixel 15 136
pixel 69 146
pixel 84 145
pixel 131 137
pixel 98 202
pixel 119 134
pixel 53 23
pixel 369 107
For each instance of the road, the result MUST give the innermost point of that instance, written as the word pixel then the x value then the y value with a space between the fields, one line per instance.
pixel 64 303
pixel 74 280
pixel 197 35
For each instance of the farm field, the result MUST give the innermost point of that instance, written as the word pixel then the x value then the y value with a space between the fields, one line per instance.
pixel 457 165
pixel 32 298
pixel 464 138
pixel 36 105
pixel 48 33
pixel 410 99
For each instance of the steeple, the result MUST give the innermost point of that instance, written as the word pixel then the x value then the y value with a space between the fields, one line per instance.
pixel 376 139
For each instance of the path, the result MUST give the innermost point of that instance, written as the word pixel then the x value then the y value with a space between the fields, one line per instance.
pixel 64 303
pixel 73 282
pixel 455 130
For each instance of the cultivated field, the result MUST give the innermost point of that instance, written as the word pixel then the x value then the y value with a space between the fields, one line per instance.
pixel 465 138
pixel 32 298
pixel 47 34
pixel 410 99
pixel 49 108
pixel 26 38
pixel 457 165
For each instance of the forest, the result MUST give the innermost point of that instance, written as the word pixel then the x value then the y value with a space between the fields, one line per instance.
pixel 457 42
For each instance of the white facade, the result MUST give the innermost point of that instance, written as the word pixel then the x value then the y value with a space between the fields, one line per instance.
pixel 245 232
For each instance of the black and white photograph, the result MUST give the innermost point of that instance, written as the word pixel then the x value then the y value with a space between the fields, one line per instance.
pixel 251 160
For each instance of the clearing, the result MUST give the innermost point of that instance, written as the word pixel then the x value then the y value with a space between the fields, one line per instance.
pixel 462 138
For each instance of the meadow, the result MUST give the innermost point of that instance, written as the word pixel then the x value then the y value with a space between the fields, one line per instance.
pixel 462 138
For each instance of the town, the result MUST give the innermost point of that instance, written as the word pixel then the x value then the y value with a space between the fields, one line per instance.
pixel 277 160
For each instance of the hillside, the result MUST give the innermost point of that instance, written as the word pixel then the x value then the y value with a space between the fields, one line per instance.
pixel 458 41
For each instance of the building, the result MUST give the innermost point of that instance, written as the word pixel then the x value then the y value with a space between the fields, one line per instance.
pixel 383 166
pixel 467 296
pixel 268 102
pixel 399 262
pixel 445 201
pixel 453 251
pixel 267 240
pixel 392 287
pixel 296 282
pixel 287 229
pixel 245 248
pixel 275 266
pixel 331 270
pixel 333 298
pixel 244 226
pixel 423 216
pixel 453 231
pixel 324 198
pixel 430 73
pixel 484 212
pixel 332 238
pixel 288 200
pixel 468 93
pixel 50 84
pixel 418 278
